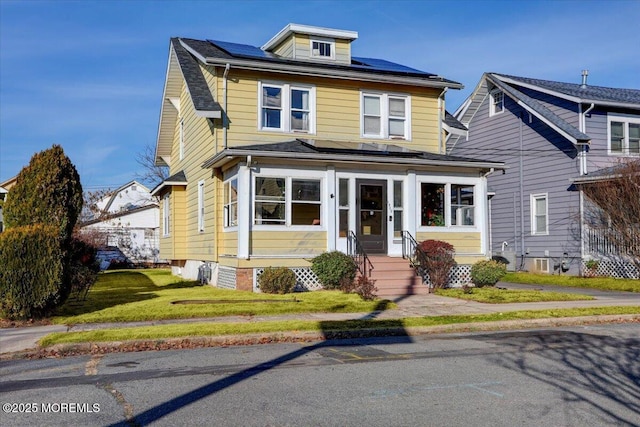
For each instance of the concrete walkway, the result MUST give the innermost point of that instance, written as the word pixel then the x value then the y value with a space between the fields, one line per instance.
pixel 26 338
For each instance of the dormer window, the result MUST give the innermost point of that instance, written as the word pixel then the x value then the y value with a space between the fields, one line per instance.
pixel 322 49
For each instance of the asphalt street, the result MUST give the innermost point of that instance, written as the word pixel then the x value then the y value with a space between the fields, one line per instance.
pixel 578 376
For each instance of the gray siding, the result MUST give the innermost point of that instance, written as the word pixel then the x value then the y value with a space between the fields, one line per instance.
pixel 566 110
pixel 549 161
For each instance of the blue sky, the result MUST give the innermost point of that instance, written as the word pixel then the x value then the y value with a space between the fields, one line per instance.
pixel 88 75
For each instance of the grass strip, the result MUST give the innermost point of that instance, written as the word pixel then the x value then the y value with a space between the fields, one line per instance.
pixel 602 283
pixel 217 329
pixel 502 296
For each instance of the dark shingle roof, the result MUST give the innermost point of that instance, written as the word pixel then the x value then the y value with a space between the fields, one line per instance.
pixel 195 81
pixel 453 122
pixel 588 93
pixel 227 50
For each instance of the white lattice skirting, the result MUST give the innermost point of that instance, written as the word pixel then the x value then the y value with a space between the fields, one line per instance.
pixel 617 269
pixel 459 276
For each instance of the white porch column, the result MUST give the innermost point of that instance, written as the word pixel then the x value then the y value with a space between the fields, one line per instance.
pixel 331 212
pixel 411 197
pixel 244 210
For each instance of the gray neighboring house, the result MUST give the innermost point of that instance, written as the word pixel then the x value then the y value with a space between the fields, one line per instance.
pixel 551 136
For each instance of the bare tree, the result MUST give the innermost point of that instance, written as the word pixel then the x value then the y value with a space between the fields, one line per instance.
pixel 615 210
pixel 151 173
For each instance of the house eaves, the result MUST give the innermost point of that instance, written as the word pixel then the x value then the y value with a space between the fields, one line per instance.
pixel 109 216
pixel 305 150
pixel 310 30
pixel 537 109
pixel 182 67
pixel 453 126
pixel 118 190
pixel 179 179
pixel 219 58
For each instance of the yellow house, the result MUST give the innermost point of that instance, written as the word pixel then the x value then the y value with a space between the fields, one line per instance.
pixel 280 153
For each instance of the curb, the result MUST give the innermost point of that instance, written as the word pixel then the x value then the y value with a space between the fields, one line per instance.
pixel 75 349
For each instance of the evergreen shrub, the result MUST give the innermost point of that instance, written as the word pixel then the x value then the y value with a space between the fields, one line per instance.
pixel 31 271
pixel 277 280
pixel 487 272
pixel 334 269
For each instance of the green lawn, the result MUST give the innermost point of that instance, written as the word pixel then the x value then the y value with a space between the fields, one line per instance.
pixel 137 295
pixel 603 283
pixel 216 329
pixel 501 296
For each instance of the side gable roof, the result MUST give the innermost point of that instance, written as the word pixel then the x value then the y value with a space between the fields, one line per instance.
pixel 472 104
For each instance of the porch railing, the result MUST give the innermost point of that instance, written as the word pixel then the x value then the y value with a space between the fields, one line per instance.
pixel 357 252
pixel 607 243
pixel 413 252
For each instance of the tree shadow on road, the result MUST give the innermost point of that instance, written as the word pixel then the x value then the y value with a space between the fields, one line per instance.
pixel 600 371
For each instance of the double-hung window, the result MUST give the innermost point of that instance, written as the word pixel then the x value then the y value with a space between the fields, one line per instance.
pixel 166 215
pixel 497 102
pixel 287 108
pixel 231 202
pixel 539 214
pixel 287 201
pixel 322 49
pixel 200 206
pixel 385 116
pixel 624 135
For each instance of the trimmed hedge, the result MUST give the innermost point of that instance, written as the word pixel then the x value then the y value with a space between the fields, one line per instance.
pixel 277 280
pixel 439 261
pixel 31 271
pixel 334 269
pixel 487 273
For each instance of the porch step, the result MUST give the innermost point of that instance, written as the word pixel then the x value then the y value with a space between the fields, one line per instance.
pixel 394 276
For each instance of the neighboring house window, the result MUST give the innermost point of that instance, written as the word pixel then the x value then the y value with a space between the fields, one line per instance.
pixel 201 206
pixel 181 136
pixel 385 116
pixel 539 214
pixel 287 108
pixel 438 199
pixel 322 49
pixel 231 202
pixel 287 201
pixel 497 102
pixel 541 265
pixel 624 135
pixel 166 215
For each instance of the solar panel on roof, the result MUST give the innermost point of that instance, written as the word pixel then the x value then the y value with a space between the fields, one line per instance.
pixel 237 49
pixel 383 65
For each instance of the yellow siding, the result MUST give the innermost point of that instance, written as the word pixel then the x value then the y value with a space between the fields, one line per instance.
pixel 280 243
pixel 337 111
pixel 229 241
pixel 178 229
pixel 166 242
pixel 301 46
pixel 343 51
pixel 285 48
pixel 466 245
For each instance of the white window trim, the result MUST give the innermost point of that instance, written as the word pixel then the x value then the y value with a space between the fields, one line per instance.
pixel 477 205
pixel 227 221
pixel 285 107
pixel 201 206
pixel 537 261
pixel 330 42
pixel 166 216
pixel 384 115
pixel 625 142
pixel 532 205
pixel 492 106
pixel 288 176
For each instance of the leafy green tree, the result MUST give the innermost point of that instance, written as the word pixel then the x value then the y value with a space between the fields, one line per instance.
pixel 47 191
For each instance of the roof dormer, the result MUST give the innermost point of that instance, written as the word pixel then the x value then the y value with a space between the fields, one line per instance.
pixel 306 42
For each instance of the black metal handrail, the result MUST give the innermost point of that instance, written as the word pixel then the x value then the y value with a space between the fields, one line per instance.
pixel 357 252
pixel 414 253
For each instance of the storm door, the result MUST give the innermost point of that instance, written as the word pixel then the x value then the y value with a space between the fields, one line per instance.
pixel 371 224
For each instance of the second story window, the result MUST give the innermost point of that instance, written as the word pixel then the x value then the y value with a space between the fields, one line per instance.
pixel 624 135
pixel 385 116
pixel 497 102
pixel 287 108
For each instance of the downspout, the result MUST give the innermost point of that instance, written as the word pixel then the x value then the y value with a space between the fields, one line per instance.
pixel 488 228
pixel 583 123
pixel 440 116
pixel 225 120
